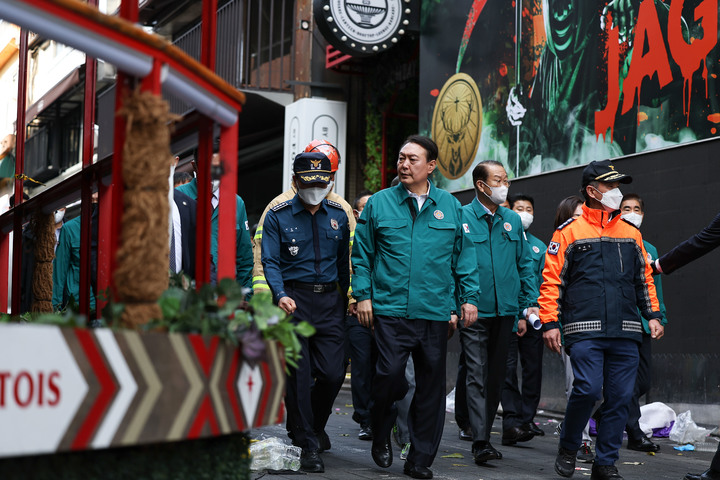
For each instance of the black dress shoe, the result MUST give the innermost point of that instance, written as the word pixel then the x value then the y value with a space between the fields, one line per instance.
pixel 515 435
pixel 706 475
pixel 382 452
pixel 605 472
pixel 643 445
pixel 323 441
pixel 416 471
pixel 565 462
pixel 534 429
pixel 365 432
pixel 466 434
pixel 484 451
pixel 311 462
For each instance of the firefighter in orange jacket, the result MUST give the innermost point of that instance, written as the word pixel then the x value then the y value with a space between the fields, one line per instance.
pixel 596 277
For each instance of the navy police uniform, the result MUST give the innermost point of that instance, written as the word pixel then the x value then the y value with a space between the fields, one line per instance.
pixel 306 257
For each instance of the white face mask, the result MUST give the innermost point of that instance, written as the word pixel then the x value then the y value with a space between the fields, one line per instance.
pixel 634 218
pixel 315 195
pixel 498 195
pixel 215 185
pixel 611 199
pixel 59 215
pixel 526 218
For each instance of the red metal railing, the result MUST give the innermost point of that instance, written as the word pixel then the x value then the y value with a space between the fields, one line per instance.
pixel 210 94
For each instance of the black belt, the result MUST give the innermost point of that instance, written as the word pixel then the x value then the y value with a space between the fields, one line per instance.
pixel 314 287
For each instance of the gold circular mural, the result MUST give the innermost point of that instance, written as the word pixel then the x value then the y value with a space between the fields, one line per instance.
pixel 456 125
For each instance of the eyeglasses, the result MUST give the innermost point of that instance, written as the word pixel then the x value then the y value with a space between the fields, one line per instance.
pixel 505 182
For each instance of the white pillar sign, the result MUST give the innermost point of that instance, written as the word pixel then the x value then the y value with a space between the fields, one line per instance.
pixel 315 118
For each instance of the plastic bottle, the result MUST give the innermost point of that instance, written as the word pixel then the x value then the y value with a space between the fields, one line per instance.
pixel 706 446
pixel 273 454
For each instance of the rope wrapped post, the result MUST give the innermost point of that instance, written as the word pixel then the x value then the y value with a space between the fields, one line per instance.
pixel 143 255
pixel 44 250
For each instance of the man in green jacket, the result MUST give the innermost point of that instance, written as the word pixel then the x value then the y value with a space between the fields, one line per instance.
pixel 412 266
pixel 633 211
pixel 66 267
pixel 508 286
pixel 519 407
pixel 243 245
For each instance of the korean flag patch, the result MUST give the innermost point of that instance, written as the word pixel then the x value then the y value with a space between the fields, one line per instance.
pixel 466 228
pixel 553 248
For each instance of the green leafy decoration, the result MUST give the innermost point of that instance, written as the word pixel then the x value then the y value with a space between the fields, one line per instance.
pixel 220 310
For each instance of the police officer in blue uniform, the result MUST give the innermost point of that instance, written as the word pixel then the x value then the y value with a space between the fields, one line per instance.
pixel 305 255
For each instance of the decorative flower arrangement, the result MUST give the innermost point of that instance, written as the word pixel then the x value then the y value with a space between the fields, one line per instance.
pixel 221 310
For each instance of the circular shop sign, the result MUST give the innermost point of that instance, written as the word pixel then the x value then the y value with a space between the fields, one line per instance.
pixel 457 124
pixel 362 27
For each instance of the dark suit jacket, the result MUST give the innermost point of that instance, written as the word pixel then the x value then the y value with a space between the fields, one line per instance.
pixel 694 247
pixel 243 245
pixel 187 207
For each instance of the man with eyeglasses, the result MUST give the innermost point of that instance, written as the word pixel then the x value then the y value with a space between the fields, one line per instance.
pixel 508 286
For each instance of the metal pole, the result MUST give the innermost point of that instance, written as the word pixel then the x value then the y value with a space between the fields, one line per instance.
pixel 87 182
pixel 518 85
pixel 19 170
pixel 107 257
pixel 227 250
pixel 205 141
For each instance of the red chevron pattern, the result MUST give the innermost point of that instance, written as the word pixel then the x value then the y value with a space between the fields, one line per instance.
pixel 102 388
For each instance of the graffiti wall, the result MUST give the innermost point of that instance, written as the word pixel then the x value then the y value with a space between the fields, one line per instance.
pixel 545 84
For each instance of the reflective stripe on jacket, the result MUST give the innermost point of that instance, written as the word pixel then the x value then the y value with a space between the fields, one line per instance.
pixel 596 277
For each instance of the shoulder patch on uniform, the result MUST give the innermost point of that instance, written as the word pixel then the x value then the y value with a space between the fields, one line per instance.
pixel 335 204
pixel 553 248
pixel 567 222
pixel 280 206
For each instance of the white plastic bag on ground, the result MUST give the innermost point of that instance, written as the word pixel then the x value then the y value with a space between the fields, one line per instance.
pixel 656 415
pixel 273 454
pixel 686 430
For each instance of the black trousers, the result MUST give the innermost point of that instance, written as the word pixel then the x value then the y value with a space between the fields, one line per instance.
pixel 643 382
pixel 361 353
pixel 314 384
pixel 519 406
pixel 462 417
pixel 485 346
pixel 426 340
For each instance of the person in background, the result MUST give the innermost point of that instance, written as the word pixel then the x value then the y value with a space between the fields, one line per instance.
pixel 183 220
pixel 7 159
pixel 596 279
pixel 181 178
pixel 361 352
pixel 305 257
pixel 243 244
pixel 632 209
pixel 507 286
pixel 413 269
pixel 569 207
pixel 66 266
pixel 519 408
pixel 59 221
pixel 332 153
